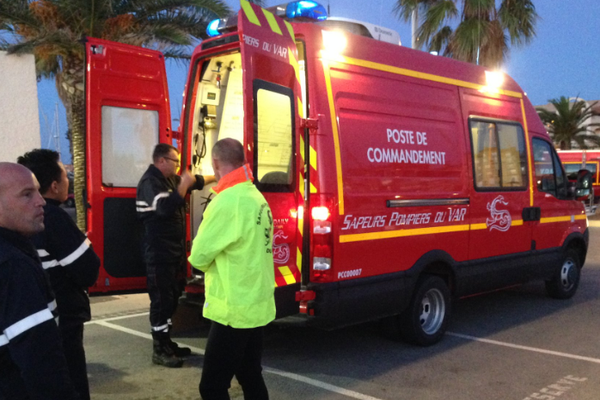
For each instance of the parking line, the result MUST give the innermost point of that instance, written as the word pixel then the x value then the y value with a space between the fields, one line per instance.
pixel 527 348
pixel 289 375
pixel 594 223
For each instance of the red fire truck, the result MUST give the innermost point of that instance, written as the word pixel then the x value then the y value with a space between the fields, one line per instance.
pixel 397 179
pixel 575 160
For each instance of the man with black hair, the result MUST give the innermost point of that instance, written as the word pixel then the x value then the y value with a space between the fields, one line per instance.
pixel 67 257
pixel 160 203
pixel 32 362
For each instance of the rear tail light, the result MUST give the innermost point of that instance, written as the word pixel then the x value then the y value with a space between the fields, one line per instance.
pixel 322 239
pixel 320 213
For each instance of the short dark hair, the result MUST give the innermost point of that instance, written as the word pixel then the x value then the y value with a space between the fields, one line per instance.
pixel 162 150
pixel 44 165
pixel 229 151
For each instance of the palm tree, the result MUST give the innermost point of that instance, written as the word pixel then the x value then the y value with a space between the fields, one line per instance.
pixel 567 122
pixel 52 30
pixel 474 31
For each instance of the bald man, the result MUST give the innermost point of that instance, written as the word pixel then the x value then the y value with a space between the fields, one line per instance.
pixel 234 250
pixel 32 361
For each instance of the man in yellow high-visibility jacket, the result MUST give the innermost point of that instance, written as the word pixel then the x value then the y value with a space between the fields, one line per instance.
pixel 234 249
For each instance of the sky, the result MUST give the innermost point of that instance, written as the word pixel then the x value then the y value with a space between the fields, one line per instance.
pixel 562 60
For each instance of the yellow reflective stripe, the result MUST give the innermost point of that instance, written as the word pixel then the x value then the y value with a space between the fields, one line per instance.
pixel 299 260
pixel 440 229
pixel 250 14
pixel 287 275
pixel 302 147
pixel 290 29
pixel 301 185
pixel 313 189
pixel 294 63
pixel 313 158
pixel 411 73
pixel 528 155
pixel 402 233
pixel 300 107
pixel 336 139
pixel 555 219
pixel 475 227
pixel 272 22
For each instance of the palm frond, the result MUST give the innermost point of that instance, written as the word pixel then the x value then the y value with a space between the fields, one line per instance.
pixel 519 19
pixel 143 9
pixel 439 41
pixel 404 9
pixel 435 18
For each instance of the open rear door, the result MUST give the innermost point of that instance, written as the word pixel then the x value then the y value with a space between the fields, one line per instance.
pixel 273 138
pixel 127 115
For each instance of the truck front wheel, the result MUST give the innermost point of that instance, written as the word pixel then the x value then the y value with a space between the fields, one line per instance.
pixel 425 320
pixel 565 281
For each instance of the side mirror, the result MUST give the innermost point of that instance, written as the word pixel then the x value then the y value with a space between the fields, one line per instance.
pixel 583 187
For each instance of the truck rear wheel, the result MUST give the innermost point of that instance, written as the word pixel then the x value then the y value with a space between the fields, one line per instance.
pixel 425 320
pixel 565 281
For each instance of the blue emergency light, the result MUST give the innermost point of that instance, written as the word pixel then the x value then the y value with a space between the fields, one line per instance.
pixel 305 9
pixel 211 29
pixel 293 10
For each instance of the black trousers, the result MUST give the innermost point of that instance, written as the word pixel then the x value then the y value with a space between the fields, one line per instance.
pixel 233 352
pixel 164 289
pixel 72 340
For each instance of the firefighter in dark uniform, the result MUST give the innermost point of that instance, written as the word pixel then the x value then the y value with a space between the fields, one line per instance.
pixel 32 362
pixel 67 257
pixel 160 204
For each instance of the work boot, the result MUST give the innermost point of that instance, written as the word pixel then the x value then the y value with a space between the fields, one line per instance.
pixel 180 351
pixel 164 355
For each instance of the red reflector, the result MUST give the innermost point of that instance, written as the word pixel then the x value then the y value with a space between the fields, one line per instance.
pixel 305 295
pixel 322 251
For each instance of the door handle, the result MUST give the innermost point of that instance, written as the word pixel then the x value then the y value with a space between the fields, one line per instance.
pixel 532 214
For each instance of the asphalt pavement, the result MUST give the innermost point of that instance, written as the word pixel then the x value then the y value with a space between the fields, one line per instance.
pixel 515 344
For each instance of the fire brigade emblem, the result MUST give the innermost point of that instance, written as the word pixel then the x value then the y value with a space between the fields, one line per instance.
pixel 281 251
pixel 499 219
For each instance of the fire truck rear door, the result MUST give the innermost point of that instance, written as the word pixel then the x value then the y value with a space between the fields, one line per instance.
pixel 127 115
pixel 272 111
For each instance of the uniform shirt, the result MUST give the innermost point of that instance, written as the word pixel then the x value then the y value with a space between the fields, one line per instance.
pixel 234 249
pixel 69 260
pixel 162 210
pixel 32 363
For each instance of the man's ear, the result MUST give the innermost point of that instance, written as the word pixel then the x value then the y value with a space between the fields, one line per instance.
pixel 54 187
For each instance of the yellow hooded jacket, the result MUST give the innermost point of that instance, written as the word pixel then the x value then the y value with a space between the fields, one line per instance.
pixel 234 249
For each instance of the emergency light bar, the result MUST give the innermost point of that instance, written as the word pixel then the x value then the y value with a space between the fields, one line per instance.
pixel 302 9
pixel 305 9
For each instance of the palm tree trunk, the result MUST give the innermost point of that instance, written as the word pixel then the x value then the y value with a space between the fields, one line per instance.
pixel 71 89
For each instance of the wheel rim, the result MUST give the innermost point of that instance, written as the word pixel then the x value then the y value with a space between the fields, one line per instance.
pixel 568 274
pixel 433 309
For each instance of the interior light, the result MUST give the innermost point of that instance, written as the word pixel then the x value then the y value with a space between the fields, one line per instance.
pixel 334 42
pixel 320 213
pixel 211 29
pixel 305 9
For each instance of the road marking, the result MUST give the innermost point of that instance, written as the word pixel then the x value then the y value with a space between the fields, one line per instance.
pixel 527 348
pixel 97 321
pixel 289 375
pixel 595 224
pixel 319 384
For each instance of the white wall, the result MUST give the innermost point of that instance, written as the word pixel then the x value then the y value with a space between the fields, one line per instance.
pixel 19 118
